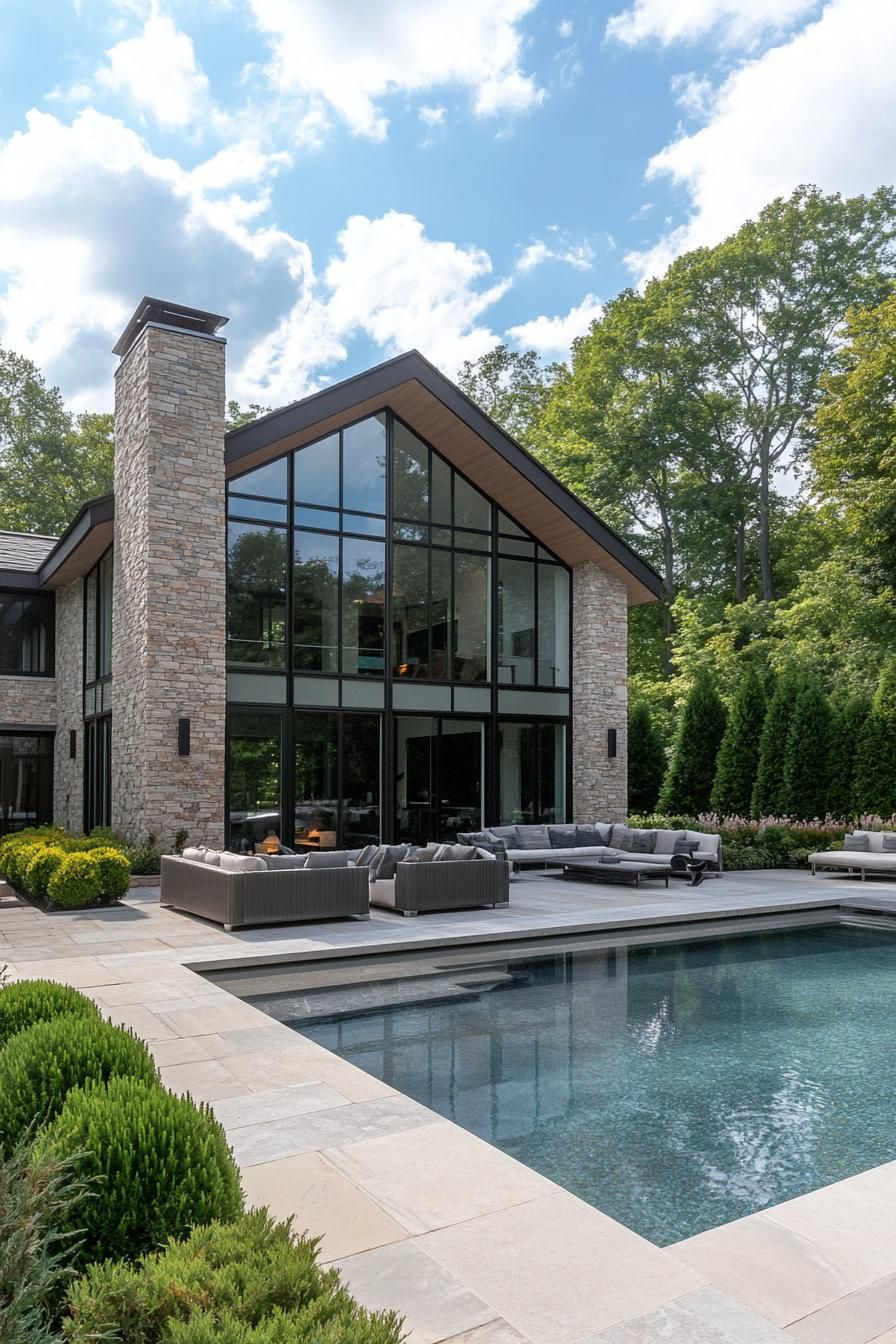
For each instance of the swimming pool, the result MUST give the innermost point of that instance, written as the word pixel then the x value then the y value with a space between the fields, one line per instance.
pixel 674 1086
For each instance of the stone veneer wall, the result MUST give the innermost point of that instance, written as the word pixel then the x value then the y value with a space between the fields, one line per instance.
pixel 599 694
pixel 169 614
pixel 68 775
pixel 28 700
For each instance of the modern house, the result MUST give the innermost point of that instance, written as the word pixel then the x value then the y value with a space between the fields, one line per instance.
pixel 368 614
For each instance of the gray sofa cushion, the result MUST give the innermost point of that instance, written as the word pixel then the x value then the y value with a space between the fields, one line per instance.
pixel 455 853
pixel 533 837
pixel 212 856
pixel 562 837
pixel 365 857
pixel 276 862
pixel 427 854
pixel 685 846
pixel 858 841
pixel 327 858
pixel 889 843
pixel 622 838
pixel 484 840
pixel 643 842
pixel 509 834
pixel 665 841
pixel 196 853
pixel 587 837
pixel 242 863
pixel 382 866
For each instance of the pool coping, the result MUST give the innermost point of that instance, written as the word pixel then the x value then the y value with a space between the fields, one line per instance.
pixel 439 1247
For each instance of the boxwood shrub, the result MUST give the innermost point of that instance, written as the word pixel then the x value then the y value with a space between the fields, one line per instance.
pixel 160 1165
pixel 75 883
pixel 113 871
pixel 30 1001
pixel 41 866
pixel 40 1066
pixel 250 1279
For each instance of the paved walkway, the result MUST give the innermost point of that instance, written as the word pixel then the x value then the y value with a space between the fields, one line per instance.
pixel 418 1214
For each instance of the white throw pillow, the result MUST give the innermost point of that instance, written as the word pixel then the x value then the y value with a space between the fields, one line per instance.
pixel 195 853
pixel 212 856
pixel 243 863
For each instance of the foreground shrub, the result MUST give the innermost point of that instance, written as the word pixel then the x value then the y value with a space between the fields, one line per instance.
pixel 226 1281
pixel 161 1165
pixel 41 866
pixel 30 1001
pixel 40 1066
pixel 75 883
pixel 34 1256
pixel 113 872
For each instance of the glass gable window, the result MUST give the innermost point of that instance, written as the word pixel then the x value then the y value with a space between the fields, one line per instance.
pixel 26 634
pixel 375 595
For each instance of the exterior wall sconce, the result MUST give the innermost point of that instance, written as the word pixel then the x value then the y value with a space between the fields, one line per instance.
pixel 611 742
pixel 183 737
pixel 72 743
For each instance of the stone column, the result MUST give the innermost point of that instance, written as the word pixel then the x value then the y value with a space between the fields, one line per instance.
pixel 68 773
pixel 599 694
pixel 169 600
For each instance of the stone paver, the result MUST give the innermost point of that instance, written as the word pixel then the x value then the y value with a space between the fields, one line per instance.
pixel 422 1216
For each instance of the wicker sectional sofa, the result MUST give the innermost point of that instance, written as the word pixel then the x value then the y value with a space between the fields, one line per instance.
pixel 240 897
pixel 418 888
pixel 552 844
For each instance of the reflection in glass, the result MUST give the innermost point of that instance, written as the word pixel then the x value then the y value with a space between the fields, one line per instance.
pixel 553 626
pixel 439 769
pixel 472 617
pixel 364 466
pixel 441 490
pixel 98 772
pixel 256 595
pixel 26 633
pixel 363 606
pixel 316 479
pixel 268 481
pixel 254 772
pixel 516 622
pixel 315 601
pixel 532 772
pixel 471 509
pixel 440 615
pixel 104 616
pixel 316 777
pixel 410 611
pixel 410 475
pixel 360 802
pixel 26 781
pixel 265 510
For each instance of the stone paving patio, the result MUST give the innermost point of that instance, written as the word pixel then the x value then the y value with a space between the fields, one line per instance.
pixel 420 1215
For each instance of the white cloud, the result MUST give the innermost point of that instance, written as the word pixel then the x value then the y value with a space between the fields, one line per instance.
pixel 551 337
pixel 578 255
pixel 819 108
pixel 397 46
pixel 158 72
pixel 403 289
pixel 432 116
pixel 90 219
pixel 733 22
pixel 565 28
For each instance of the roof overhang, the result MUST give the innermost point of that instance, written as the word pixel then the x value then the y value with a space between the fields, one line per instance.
pixel 437 410
pixel 82 544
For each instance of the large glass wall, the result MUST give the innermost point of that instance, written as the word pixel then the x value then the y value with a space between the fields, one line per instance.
pixel 391 621
pixel 98 693
pixel 26 780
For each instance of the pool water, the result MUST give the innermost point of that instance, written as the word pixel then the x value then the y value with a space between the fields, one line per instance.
pixel 675 1087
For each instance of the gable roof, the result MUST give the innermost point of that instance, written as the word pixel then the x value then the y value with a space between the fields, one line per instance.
pixel 24 550
pixel 456 427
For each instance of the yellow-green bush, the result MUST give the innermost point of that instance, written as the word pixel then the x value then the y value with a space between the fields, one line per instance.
pixel 29 1001
pixel 41 866
pixel 75 883
pixel 113 872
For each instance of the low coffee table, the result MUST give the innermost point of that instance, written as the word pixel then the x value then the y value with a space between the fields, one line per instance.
pixel 623 871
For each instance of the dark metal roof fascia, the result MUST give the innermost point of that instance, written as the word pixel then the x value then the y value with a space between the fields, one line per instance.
pixel 20 580
pixel 94 512
pixel 379 381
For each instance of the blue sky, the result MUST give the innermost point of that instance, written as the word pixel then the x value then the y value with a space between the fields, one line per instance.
pixel 346 180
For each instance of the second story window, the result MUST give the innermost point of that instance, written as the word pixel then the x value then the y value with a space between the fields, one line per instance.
pixel 26 634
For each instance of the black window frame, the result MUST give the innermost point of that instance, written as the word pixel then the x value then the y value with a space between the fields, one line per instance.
pixel 48 601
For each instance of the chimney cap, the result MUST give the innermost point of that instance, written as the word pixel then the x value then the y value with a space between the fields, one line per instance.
pixel 166 314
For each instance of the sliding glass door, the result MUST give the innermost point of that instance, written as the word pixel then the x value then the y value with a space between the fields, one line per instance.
pixel 439 777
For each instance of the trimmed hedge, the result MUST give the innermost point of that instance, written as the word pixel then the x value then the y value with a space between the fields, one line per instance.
pixel 161 1164
pixel 41 866
pixel 113 872
pixel 75 883
pixel 72 871
pixel 40 1066
pixel 249 1279
pixel 30 1001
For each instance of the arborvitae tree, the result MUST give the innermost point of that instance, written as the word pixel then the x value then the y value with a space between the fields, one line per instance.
pixel 691 771
pixel 806 755
pixel 848 715
pixel 738 758
pixel 768 791
pixel 874 788
pixel 646 759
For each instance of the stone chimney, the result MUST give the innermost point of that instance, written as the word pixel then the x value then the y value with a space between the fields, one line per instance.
pixel 169 607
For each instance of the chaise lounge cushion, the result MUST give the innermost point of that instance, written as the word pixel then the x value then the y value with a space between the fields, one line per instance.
pixel 275 862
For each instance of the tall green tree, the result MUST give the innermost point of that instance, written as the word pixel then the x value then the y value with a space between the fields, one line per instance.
pixel 235 415
pixel 738 758
pixel 806 755
pixel 768 791
pixel 511 386
pixel 854 453
pixel 51 462
pixel 848 715
pixel 688 783
pixel 646 758
pixel 767 309
pixel 875 768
